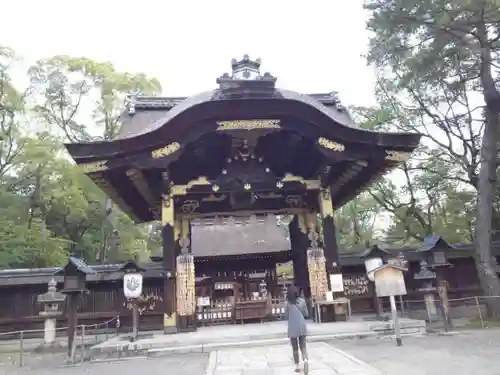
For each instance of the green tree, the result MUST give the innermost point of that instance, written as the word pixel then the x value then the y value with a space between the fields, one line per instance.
pixel 447 46
pixel 48 207
pixel 356 222
pixel 84 98
pixel 12 106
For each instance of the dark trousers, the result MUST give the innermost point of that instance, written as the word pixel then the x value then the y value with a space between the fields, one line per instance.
pixel 298 343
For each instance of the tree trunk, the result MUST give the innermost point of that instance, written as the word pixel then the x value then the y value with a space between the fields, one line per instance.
pixel 486 191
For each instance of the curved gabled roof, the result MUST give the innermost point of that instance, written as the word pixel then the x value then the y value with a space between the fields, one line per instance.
pixel 245 94
pixel 131 130
pixel 168 110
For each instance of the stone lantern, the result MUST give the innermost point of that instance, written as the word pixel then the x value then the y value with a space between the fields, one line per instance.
pixel 435 252
pixel 427 279
pixel 52 302
pixel 435 249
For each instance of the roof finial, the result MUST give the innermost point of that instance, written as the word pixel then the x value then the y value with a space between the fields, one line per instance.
pixel 245 70
pixel 131 100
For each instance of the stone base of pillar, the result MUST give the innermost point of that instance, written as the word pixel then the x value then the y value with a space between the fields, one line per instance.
pixel 186 323
pixel 49 333
pixel 49 336
pixel 56 347
pixel 430 306
pixel 170 323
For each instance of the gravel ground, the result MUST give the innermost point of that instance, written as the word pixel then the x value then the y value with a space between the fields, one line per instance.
pixel 466 353
pixel 183 364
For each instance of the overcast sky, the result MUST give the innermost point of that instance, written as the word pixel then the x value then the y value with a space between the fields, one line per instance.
pixel 311 46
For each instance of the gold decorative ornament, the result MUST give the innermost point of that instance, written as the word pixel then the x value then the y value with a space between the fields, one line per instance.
pixel 302 221
pixel 167 210
pixel 177 229
pixel 309 184
pixel 95 166
pixel 279 184
pixel 215 188
pixel 182 189
pixel 325 203
pixel 169 320
pixel 214 198
pixel 165 151
pixel 189 206
pixel 247 186
pixel 248 125
pixel 178 189
pixel 186 226
pixel 330 145
pixel 399 156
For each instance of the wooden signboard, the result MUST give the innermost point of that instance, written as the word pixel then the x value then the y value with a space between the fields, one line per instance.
pixel 389 281
pixel 337 282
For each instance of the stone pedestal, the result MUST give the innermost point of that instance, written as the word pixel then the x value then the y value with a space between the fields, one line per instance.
pixel 49 333
pixel 430 306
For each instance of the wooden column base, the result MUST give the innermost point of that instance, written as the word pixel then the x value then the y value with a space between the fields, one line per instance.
pixel 169 295
pixel 186 323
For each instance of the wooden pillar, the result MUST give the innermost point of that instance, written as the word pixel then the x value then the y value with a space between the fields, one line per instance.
pixel 169 263
pixel 71 314
pixel 330 246
pixel 300 242
pixel 292 230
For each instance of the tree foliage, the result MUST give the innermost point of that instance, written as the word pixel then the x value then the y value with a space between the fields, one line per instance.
pixel 48 207
pixel 438 74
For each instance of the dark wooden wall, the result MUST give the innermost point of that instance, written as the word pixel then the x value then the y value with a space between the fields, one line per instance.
pixel 19 308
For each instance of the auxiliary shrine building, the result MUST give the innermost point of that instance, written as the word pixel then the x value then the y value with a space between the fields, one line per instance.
pixel 246 151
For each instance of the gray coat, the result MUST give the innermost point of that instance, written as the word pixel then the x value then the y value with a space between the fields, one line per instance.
pixel 296 314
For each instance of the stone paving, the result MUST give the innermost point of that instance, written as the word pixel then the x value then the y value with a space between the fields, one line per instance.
pixel 210 338
pixel 277 359
pixel 462 353
pixel 187 364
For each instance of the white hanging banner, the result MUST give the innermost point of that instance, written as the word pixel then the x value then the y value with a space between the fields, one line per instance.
pixel 132 285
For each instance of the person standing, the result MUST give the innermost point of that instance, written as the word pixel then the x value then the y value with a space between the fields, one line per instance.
pixel 296 314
